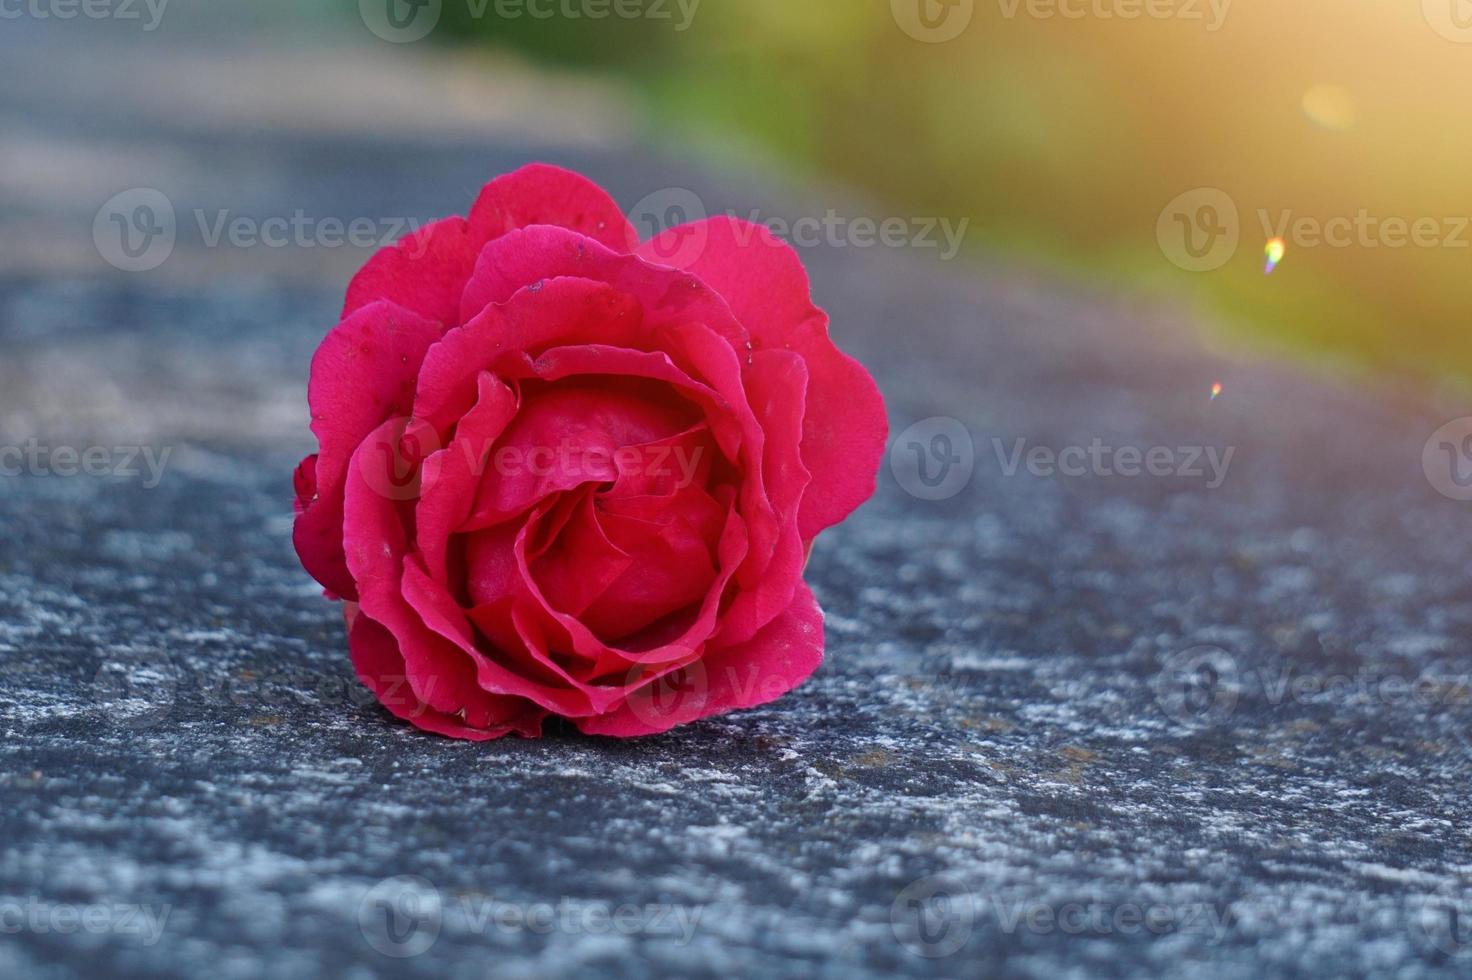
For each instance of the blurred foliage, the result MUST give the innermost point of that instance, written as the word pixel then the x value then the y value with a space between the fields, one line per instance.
pixel 1063 138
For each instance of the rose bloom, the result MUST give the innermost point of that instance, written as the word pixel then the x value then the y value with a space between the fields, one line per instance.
pixel 563 473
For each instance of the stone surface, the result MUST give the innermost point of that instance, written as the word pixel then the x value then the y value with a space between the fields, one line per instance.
pixel 1053 706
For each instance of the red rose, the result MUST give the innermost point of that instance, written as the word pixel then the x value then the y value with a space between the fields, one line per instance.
pixel 557 477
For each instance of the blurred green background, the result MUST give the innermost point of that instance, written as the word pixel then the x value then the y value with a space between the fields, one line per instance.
pixel 1064 133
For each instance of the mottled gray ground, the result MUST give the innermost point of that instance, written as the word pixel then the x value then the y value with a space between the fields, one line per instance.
pixel 1068 726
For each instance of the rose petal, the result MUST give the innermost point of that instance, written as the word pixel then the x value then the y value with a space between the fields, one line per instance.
pixel 570 634
pixel 780 657
pixel 455 474
pixel 304 482
pixel 764 282
pixel 540 194
pixel 775 383
pixel 670 560
pixel 581 563
pixel 535 255
pixel 425 271
pixel 566 307
pixel 511 668
pixel 379 666
pixel 557 363
pixel 362 374
pixel 567 435
pixel 377 543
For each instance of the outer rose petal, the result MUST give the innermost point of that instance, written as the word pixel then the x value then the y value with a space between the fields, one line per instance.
pixel 377 544
pixel 380 667
pixel 764 281
pixel 304 481
pixel 775 381
pixel 783 655
pixel 540 194
pixel 362 375
pixel 425 272
pixel 534 255
pixel 445 384
pixel 442 670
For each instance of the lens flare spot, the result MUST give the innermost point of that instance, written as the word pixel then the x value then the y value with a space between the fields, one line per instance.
pixel 1331 106
pixel 1273 252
